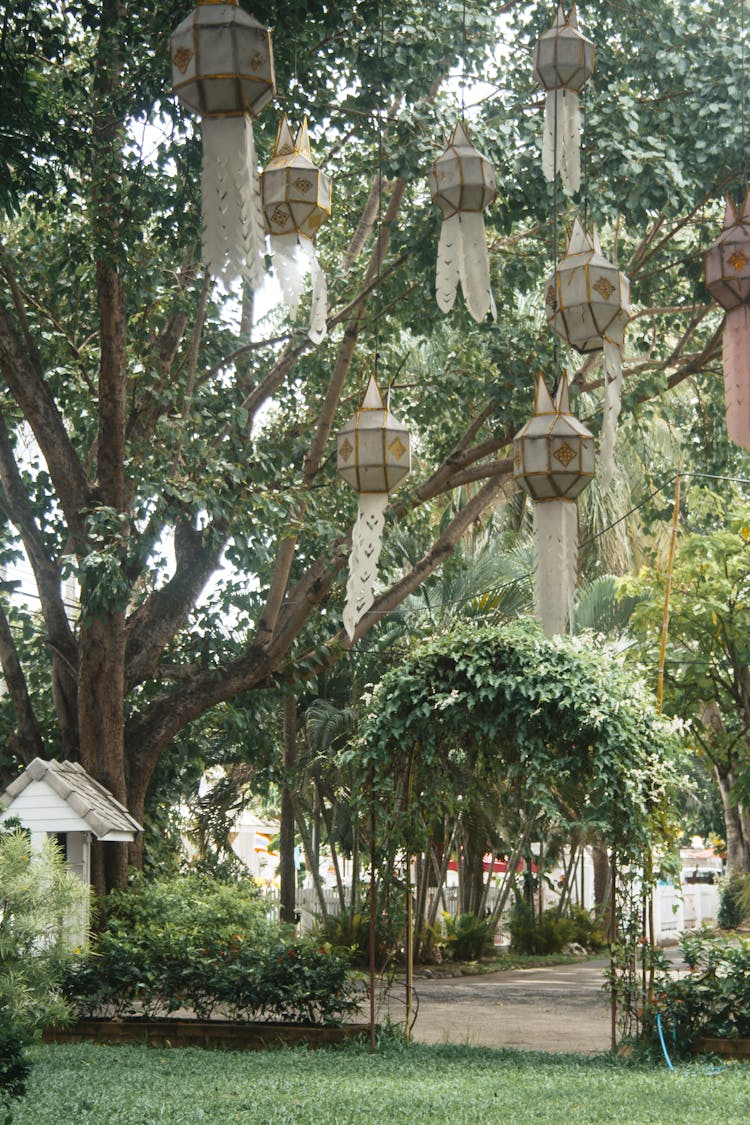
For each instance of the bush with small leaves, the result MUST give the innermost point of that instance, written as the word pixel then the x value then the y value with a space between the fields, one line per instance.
pixel 38 894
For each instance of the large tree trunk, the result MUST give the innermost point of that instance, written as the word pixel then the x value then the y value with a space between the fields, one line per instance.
pixel 101 693
pixel 735 824
pixel 602 879
pixel 287 872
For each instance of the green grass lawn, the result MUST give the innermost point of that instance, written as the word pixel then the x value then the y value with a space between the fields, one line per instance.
pixel 84 1084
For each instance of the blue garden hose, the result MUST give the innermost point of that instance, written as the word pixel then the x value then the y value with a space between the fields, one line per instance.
pixel 709 1070
pixel 661 1040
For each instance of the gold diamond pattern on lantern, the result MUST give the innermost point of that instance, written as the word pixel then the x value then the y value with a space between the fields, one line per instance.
pixel 590 297
pixel 296 193
pixel 380 443
pixel 727 260
pixel 222 62
pixel 553 454
pixel 461 179
pixel 564 58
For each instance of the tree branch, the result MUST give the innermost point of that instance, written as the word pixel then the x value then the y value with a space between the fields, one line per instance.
pixel 156 621
pixel 28 743
pixel 46 572
pixel 40 411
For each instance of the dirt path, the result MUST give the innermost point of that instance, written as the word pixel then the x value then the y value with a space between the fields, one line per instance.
pixel 556 1008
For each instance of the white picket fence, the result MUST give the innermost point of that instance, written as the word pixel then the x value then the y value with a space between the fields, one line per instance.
pixel 687 907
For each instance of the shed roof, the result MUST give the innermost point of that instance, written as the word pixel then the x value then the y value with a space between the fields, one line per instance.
pixel 94 804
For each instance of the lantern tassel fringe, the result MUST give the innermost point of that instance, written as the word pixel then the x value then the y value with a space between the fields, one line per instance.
pixel 561 142
pixel 367 541
pixel 736 362
pixel 294 259
pixel 612 405
pixel 556 554
pixel 233 229
pixel 463 256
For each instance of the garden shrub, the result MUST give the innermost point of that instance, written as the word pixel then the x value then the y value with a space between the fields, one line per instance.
pixel 467 937
pixel 190 942
pixel 37 893
pixel 733 902
pixel 587 928
pixel 348 931
pixel 528 934
pixel 712 1000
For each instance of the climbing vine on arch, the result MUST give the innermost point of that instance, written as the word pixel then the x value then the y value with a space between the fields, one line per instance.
pixel 559 725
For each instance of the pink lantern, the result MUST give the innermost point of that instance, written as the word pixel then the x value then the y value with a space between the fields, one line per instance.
pixel 727 271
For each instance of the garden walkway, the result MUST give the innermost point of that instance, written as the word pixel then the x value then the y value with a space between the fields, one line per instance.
pixel 554 1008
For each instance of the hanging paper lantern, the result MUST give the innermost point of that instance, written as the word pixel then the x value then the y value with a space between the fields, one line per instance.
pixel 727 267
pixel 222 69
pixel 373 455
pixel 296 202
pixel 563 62
pixel 462 184
pixel 553 461
pixel 588 304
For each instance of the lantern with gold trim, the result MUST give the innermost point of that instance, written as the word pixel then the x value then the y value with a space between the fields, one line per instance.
pixel 373 453
pixel 563 63
pixel 588 304
pixel 222 69
pixel 727 269
pixel 553 461
pixel 462 184
pixel 296 202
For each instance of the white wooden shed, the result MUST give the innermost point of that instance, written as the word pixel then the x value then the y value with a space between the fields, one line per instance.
pixel 61 800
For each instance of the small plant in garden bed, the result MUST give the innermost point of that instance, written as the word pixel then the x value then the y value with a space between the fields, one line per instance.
pixel 528 934
pixel 348 931
pixel 467 937
pixel 190 943
pixel 712 1000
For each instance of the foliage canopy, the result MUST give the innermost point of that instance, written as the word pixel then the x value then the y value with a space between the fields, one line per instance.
pixel 567 734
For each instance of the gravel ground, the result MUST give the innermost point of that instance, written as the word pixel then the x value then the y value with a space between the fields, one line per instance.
pixel 556 1008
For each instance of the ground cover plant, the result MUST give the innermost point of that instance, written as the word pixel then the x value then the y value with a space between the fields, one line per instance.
pixel 443 1085
pixel 189 942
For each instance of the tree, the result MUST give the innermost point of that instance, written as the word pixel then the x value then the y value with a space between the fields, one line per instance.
pixel 176 461
pixel 707 669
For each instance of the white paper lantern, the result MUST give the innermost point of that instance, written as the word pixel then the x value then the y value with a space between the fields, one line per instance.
pixel 296 202
pixel 563 63
pixel 553 454
pixel 462 184
pixel 222 69
pixel 588 304
pixel 553 461
pixel 373 453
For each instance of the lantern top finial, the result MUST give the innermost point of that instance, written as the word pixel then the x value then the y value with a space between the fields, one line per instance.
pixel 561 20
pixel 543 403
pixel 735 212
pixel 373 398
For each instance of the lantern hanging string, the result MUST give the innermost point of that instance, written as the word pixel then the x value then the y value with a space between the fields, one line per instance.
pixel 463 60
pixel 381 159
pixel 743 167
pixel 585 162
pixel 556 357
